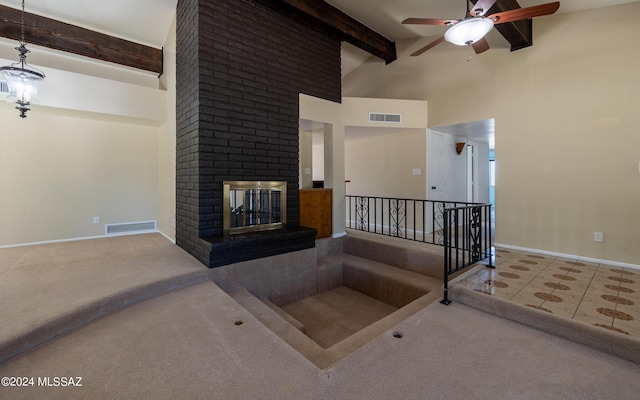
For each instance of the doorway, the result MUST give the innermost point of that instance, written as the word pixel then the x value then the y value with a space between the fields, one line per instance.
pixel 467 175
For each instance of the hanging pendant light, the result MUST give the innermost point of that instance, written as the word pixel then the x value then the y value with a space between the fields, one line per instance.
pixel 22 79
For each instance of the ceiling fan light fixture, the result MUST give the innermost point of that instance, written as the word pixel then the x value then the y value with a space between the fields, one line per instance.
pixel 468 31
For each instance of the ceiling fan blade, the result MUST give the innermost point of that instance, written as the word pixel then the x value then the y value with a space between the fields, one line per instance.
pixel 427 47
pixel 482 6
pixel 480 46
pixel 524 13
pixel 430 21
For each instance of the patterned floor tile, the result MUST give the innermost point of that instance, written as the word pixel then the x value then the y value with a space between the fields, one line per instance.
pixel 633 327
pixel 593 320
pixel 602 295
pixel 562 309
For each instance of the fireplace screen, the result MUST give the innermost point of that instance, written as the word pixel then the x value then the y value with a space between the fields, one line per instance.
pixel 254 206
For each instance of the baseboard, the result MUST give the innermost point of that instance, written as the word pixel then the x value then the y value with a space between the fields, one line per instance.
pixel 81 238
pixel 573 256
pixel 172 240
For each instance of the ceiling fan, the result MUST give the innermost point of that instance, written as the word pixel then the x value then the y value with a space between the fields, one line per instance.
pixel 471 30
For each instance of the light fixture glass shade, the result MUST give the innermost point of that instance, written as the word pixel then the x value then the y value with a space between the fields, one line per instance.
pixel 468 31
pixel 22 82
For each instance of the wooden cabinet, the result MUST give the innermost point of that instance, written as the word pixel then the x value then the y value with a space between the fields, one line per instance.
pixel 315 211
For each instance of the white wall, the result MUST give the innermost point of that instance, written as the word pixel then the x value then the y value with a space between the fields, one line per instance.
pixel 453 185
pixel 317 154
pixel 483 172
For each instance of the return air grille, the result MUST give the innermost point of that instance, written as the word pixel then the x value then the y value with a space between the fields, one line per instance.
pixel 130 227
pixel 382 117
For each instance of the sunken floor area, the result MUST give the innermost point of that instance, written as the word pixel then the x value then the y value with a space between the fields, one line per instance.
pixel 334 315
pixel 135 317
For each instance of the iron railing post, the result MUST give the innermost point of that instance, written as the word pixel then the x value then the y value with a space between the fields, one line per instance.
pixel 447 261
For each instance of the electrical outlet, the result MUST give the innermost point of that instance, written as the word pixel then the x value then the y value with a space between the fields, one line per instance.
pixel 598 237
pixel 96 220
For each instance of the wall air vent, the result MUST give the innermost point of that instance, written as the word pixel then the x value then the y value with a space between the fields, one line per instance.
pixel 130 228
pixel 4 88
pixel 383 117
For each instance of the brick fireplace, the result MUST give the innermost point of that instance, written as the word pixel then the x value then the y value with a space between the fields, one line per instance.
pixel 240 68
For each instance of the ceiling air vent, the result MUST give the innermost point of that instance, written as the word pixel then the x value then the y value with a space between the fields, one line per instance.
pixel 382 117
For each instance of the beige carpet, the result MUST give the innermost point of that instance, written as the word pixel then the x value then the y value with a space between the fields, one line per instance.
pixel 332 316
pixel 198 343
pixel 186 345
pixel 48 289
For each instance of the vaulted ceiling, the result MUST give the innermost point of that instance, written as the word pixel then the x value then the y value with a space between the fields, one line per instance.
pixel 146 22
pixel 385 17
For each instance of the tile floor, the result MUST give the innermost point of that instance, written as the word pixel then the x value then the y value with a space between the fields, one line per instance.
pixel 598 294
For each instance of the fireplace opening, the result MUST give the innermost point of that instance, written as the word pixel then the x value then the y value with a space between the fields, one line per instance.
pixel 251 206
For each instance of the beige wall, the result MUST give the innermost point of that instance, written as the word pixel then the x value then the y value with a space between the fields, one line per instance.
pixel 414 114
pixel 58 170
pixel 382 165
pixel 329 115
pixel 101 143
pixel 380 157
pixel 567 122
pixel 167 141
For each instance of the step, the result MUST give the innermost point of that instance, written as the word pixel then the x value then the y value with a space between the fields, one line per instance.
pixel 395 286
pixel 280 327
pixel 69 313
pixel 285 315
pixel 330 272
pixel 423 258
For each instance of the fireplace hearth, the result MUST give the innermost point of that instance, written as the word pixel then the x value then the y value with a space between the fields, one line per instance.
pixel 255 224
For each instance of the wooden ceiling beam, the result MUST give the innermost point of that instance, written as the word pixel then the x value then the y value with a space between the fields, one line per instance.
pixel 331 20
pixel 58 35
pixel 518 33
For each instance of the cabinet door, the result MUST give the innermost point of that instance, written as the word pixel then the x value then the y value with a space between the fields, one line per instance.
pixel 315 211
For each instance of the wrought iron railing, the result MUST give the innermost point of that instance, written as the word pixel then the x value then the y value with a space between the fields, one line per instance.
pixel 463 229
pixel 467 238
pixel 419 220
